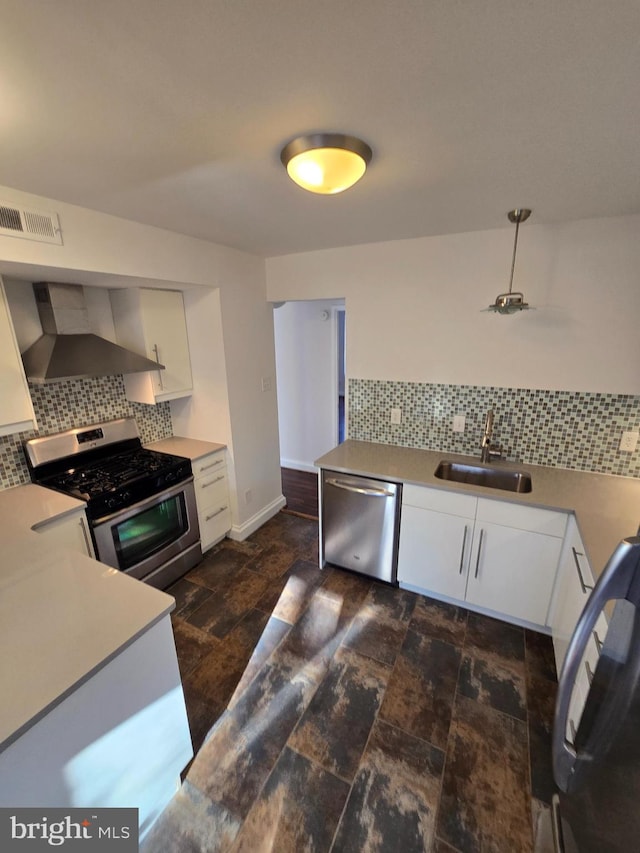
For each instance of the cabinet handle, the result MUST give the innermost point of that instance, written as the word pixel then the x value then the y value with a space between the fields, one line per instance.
pixel 598 641
pixel 213 514
pixel 86 538
pixel 155 349
pixel 589 672
pixel 369 491
pixel 478 557
pixel 211 465
pixel 585 587
pixel 211 482
pixel 464 539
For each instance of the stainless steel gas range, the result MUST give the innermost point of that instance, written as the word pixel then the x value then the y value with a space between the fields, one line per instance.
pixel 141 504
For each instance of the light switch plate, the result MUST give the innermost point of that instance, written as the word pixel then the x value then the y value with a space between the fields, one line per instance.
pixel 458 423
pixel 396 416
pixel 629 441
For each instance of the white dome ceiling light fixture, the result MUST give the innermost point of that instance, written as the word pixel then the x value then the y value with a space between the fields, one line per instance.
pixel 511 302
pixel 326 163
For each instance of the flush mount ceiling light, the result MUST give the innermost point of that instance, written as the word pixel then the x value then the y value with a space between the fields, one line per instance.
pixel 326 163
pixel 509 303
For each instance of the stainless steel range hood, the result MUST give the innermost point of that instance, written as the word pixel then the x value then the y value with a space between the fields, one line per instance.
pixel 68 349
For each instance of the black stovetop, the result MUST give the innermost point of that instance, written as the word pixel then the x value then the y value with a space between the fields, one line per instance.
pixel 115 480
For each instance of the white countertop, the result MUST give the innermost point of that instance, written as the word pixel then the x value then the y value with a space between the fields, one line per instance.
pixel 607 508
pixel 63 616
pixel 192 448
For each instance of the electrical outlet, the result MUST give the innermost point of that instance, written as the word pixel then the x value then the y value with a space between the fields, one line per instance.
pixel 266 383
pixel 248 496
pixel 396 416
pixel 629 441
pixel 458 423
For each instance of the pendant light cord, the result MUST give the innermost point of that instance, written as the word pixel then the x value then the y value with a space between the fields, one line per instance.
pixel 513 260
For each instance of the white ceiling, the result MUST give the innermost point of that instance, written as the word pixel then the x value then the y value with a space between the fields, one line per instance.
pixel 174 113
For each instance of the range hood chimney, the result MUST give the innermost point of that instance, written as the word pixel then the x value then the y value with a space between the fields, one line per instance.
pixel 68 349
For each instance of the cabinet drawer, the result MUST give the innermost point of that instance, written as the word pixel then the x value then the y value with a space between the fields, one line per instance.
pixel 573 588
pixel 580 565
pixel 208 464
pixel 585 674
pixel 592 651
pixel 439 500
pixel 529 518
pixel 211 491
pixel 214 524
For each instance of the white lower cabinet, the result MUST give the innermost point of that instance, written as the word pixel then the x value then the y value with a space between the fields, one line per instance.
pixel 512 571
pixel 435 544
pixel 71 531
pixel 119 739
pixel 572 590
pixel 573 587
pixel 212 497
pixel 494 555
pixel 514 559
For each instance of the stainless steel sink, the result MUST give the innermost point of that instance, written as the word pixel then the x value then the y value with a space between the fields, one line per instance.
pixel 484 475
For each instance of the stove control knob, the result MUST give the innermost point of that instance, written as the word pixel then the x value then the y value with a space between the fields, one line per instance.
pixel 170 477
pixel 125 496
pixel 112 503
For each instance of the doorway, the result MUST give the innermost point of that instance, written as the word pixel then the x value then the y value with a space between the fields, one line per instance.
pixel 310 377
pixel 340 318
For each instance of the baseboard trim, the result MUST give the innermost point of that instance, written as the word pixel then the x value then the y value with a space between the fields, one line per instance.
pixel 239 532
pixel 513 620
pixel 298 466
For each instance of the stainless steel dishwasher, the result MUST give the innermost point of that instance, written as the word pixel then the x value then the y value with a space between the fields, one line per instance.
pixel 360 520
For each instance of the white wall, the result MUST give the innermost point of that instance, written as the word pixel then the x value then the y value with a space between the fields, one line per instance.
pixel 206 412
pixel 413 306
pixel 306 364
pixel 102 250
pixel 228 329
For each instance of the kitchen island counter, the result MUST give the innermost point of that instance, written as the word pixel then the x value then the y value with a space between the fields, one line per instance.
pixel 607 507
pixel 63 615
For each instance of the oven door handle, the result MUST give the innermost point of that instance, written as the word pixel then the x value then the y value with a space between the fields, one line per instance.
pixel 124 513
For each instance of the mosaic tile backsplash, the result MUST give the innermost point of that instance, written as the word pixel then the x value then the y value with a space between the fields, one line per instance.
pixel 79 402
pixel 562 429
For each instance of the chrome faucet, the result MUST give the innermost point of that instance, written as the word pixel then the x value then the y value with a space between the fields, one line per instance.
pixel 489 451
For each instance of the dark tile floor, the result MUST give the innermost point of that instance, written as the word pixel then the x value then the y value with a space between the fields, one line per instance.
pixel 334 713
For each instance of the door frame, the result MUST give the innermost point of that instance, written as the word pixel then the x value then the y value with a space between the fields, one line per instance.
pixel 336 310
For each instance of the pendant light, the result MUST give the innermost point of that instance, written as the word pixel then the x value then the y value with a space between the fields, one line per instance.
pixel 509 303
pixel 326 163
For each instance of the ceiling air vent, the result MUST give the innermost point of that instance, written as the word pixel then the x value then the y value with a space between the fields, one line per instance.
pixel 30 224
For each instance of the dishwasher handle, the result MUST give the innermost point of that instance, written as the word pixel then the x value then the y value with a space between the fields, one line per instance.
pixel 360 490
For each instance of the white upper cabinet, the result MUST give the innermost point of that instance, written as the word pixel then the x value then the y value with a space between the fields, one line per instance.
pixel 16 408
pixel 152 323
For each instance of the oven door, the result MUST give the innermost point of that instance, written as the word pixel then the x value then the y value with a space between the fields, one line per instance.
pixel 141 539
